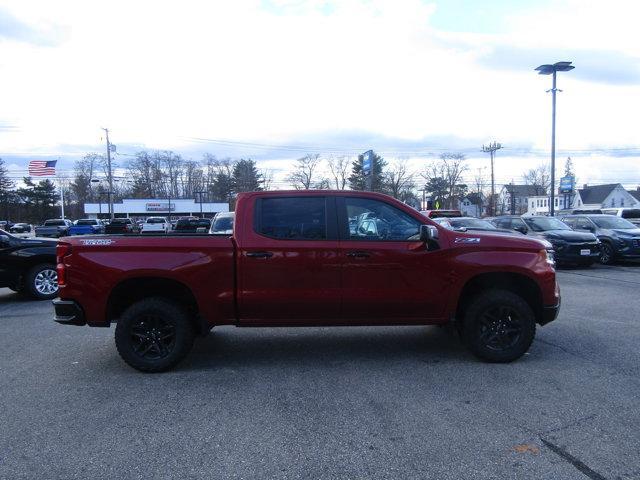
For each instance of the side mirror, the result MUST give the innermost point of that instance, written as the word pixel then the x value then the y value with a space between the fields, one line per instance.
pixel 521 229
pixel 428 233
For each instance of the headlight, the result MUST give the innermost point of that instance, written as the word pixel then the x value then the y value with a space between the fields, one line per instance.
pixel 549 257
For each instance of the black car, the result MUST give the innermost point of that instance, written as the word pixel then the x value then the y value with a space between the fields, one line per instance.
pixel 570 247
pixel 471 223
pixel 28 265
pixel 192 225
pixel 619 238
pixel 121 225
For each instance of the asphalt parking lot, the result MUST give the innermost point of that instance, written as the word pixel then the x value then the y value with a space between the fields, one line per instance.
pixel 405 402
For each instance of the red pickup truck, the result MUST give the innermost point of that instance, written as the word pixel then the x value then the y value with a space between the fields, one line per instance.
pixel 308 258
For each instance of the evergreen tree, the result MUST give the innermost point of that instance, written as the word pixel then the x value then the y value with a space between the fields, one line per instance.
pixel 246 177
pixel 39 199
pixel 359 181
pixel 6 191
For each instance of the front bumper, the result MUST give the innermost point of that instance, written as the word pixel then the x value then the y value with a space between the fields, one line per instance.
pixel 550 313
pixel 68 312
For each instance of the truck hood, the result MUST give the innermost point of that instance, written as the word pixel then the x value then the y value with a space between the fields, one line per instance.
pixel 568 235
pixel 484 239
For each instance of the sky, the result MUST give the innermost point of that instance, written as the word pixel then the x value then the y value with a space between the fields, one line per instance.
pixel 275 79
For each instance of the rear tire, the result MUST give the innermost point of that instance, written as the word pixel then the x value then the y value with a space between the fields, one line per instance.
pixel 154 334
pixel 499 326
pixel 41 282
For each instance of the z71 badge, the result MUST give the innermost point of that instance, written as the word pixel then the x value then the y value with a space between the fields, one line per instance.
pixel 97 241
pixel 466 240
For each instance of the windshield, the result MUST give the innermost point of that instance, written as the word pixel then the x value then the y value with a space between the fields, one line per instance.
pixel 613 223
pixel 472 223
pixel 222 224
pixel 542 224
pixel 87 222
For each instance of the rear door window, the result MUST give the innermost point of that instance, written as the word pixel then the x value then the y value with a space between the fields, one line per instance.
pixel 292 218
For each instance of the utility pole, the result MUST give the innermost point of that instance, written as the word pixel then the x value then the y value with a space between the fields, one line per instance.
pixel 491 149
pixel 110 198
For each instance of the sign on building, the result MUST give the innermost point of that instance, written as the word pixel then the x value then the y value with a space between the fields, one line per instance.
pixel 160 207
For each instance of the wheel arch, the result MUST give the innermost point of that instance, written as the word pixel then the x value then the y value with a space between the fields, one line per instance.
pixel 517 283
pixel 131 290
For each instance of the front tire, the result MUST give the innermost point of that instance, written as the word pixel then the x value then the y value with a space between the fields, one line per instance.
pixel 607 256
pixel 499 326
pixel 41 282
pixel 153 335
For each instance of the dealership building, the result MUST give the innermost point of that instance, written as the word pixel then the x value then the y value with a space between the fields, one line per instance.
pixel 139 208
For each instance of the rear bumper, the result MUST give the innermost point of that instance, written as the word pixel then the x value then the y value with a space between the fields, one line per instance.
pixel 68 312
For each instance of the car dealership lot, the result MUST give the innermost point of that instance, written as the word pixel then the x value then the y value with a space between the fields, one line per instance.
pixel 403 402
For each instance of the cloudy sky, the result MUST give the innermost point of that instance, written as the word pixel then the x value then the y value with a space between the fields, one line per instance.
pixel 274 79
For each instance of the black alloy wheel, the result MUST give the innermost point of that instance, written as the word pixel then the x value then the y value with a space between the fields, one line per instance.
pixel 152 337
pixel 498 326
pixel 606 253
pixel 154 334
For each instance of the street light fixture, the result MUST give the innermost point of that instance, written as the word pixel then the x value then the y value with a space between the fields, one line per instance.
pixel 552 70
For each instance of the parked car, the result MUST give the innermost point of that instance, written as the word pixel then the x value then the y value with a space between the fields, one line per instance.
pixel 54 228
pixel 156 225
pixel 86 226
pixel 28 265
pixel 193 225
pixel 441 213
pixel 630 214
pixel 5 225
pixel 570 247
pixel 223 223
pixel 619 238
pixel 292 260
pixel 20 228
pixel 471 223
pixel 121 225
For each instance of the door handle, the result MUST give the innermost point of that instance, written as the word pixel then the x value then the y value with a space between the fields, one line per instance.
pixel 259 254
pixel 358 254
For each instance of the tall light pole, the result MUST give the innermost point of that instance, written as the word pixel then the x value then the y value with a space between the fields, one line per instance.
pixel 553 70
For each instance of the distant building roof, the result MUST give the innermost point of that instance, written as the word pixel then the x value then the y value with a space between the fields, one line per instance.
pixel 635 193
pixel 596 193
pixel 475 198
pixel 525 190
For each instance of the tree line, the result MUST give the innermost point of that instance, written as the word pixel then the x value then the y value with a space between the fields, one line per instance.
pixel 166 174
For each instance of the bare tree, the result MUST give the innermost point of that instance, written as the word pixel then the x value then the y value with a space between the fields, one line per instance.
pixel 399 180
pixel 539 178
pixel 339 168
pixel 304 173
pixel 267 178
pixel 444 177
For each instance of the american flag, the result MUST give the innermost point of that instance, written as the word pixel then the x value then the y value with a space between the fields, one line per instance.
pixel 42 168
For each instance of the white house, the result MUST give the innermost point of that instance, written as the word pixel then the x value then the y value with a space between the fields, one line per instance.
pixel 473 205
pixel 515 199
pixel 587 198
pixel 612 195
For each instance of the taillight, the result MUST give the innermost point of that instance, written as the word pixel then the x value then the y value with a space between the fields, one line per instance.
pixel 62 250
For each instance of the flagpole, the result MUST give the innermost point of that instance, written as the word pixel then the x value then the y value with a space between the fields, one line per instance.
pixel 61 191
